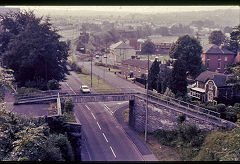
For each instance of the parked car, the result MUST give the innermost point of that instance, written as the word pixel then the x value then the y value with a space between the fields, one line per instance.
pixel 97 56
pixel 85 89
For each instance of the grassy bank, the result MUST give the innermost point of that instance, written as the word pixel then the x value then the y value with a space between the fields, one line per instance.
pixel 97 83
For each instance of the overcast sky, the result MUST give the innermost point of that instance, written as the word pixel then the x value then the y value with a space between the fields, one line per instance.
pixel 152 9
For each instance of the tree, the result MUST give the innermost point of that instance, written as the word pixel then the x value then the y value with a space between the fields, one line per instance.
pixel 163 81
pixel 178 83
pixel 216 37
pixel 153 75
pixel 234 43
pixel 188 50
pixel 32 49
pixel 234 69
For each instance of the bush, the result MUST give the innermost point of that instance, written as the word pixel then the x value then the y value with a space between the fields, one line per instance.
pixel 68 105
pixel 53 85
pixel 181 118
pixel 165 137
pixel 221 108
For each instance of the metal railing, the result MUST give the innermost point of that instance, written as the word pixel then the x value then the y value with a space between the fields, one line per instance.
pixel 152 95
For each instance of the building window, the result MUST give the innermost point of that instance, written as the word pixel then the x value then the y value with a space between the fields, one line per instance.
pixel 219 64
pixel 210 96
pixel 219 57
pixel 208 57
pixel 226 58
pixel 210 85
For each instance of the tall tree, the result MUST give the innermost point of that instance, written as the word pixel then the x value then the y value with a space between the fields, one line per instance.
pixel 163 81
pixel 234 43
pixel 216 37
pixel 178 81
pixel 32 49
pixel 188 50
pixel 153 75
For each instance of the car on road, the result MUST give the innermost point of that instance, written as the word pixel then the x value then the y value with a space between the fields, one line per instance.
pixel 85 89
pixel 97 56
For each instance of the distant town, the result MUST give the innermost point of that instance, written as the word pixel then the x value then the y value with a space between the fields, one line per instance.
pixel 85 85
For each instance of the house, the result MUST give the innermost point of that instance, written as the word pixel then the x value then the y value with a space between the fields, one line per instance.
pixel 162 43
pixel 121 51
pixel 210 86
pixel 135 67
pixel 216 58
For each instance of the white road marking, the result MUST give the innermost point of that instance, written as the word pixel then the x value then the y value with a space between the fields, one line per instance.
pixel 87 107
pixel 109 110
pixel 113 151
pixel 105 137
pixel 99 126
pixel 93 116
pixel 71 89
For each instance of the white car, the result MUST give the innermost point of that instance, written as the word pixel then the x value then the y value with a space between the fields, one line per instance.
pixel 97 56
pixel 85 89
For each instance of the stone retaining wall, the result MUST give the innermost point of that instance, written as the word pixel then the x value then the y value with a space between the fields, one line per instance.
pixel 162 117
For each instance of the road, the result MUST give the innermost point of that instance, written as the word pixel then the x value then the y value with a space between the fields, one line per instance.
pixel 111 78
pixel 104 138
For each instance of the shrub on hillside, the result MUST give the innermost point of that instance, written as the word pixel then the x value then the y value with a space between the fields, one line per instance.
pixel 220 146
pixel 53 85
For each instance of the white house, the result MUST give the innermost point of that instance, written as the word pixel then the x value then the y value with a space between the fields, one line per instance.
pixel 121 51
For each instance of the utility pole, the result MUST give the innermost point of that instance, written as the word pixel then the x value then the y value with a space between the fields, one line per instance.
pixel 91 68
pixel 146 120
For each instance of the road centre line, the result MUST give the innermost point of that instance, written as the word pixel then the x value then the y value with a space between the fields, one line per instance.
pixel 113 151
pixel 71 89
pixel 93 116
pixel 105 137
pixel 87 107
pixel 99 126
pixel 109 110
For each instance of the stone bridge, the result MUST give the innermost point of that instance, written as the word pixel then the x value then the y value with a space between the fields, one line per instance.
pixel 163 112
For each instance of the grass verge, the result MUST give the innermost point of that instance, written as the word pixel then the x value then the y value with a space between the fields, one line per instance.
pixel 70 117
pixel 97 84
pixel 126 115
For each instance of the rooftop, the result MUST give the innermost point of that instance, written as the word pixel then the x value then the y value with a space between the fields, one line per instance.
pixel 137 63
pixel 214 49
pixel 218 78
pixel 120 45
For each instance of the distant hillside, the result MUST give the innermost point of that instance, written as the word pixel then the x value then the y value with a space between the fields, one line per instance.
pixel 4 10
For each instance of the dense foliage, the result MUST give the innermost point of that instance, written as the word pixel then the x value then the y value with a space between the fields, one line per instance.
pixel 31 47
pixel 221 146
pixel 153 75
pixel 216 37
pixel 234 43
pixel 188 50
pixel 187 139
pixel 23 139
pixel 193 144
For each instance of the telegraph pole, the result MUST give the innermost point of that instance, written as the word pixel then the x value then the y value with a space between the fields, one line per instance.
pixel 146 120
pixel 91 68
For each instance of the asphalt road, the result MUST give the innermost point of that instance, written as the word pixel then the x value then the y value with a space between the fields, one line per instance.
pixel 111 78
pixel 104 138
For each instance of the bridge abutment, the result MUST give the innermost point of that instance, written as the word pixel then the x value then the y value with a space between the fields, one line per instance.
pixel 164 117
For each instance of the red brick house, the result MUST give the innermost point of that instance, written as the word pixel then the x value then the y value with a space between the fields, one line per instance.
pixel 216 58
pixel 136 67
pixel 210 86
